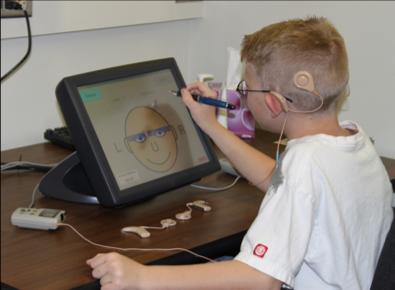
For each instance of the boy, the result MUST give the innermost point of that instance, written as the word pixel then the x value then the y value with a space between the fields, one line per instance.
pixel 327 209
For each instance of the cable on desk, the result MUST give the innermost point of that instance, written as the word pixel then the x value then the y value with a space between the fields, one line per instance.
pixel 216 188
pixel 134 249
pixel 35 190
pixel 27 165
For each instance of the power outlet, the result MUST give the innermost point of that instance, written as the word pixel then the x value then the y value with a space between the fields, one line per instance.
pixel 23 3
pixel 14 8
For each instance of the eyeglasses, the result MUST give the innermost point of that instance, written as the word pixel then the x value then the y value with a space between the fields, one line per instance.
pixel 243 91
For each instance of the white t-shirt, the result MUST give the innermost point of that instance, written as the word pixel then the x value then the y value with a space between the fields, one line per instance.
pixel 325 217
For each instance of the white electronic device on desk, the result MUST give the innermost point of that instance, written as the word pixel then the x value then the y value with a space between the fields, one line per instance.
pixel 37 218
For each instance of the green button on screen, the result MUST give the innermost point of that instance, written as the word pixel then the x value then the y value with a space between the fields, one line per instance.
pixel 91 94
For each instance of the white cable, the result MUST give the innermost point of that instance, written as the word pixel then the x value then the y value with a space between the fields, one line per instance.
pixel 313 110
pixel 216 188
pixel 35 190
pixel 134 249
pixel 279 140
pixel 33 201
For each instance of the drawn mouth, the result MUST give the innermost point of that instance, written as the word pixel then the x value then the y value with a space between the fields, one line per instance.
pixel 160 162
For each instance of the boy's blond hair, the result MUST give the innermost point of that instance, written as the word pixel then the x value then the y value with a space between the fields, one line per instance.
pixel 280 50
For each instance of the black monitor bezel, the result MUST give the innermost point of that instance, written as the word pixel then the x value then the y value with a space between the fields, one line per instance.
pixel 91 152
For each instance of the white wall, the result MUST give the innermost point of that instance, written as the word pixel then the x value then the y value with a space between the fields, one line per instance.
pixel 65 16
pixel 28 103
pixel 368 29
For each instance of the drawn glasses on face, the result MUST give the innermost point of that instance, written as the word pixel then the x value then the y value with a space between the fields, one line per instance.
pixel 142 136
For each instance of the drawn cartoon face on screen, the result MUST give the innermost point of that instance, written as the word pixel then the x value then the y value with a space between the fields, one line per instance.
pixel 151 139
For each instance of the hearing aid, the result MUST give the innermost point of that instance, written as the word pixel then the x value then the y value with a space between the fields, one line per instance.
pixel 282 100
pixel 200 204
pixel 140 231
pixel 184 216
pixel 167 223
pixel 187 215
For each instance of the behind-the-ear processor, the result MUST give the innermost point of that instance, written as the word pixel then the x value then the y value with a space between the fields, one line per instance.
pixel 302 80
pixel 199 204
pixel 282 100
pixel 142 232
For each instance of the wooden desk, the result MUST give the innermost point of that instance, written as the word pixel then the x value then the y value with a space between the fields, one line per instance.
pixel 33 259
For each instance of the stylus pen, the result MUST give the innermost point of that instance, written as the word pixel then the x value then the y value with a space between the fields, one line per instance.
pixel 208 101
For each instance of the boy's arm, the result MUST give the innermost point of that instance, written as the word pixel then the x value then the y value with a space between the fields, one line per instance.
pixel 119 272
pixel 254 165
pixel 223 275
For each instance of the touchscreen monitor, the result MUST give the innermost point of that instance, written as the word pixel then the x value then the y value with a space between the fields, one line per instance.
pixel 134 138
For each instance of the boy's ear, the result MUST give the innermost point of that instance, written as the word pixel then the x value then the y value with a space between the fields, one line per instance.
pixel 276 103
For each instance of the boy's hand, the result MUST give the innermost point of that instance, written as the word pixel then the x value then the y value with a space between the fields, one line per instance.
pixel 116 272
pixel 204 115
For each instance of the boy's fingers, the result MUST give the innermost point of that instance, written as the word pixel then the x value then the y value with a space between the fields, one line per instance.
pixel 187 97
pixel 105 280
pixel 201 88
pixel 96 260
pixel 99 271
pixel 194 85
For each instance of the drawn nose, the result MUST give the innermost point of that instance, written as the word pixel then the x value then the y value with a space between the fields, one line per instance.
pixel 154 146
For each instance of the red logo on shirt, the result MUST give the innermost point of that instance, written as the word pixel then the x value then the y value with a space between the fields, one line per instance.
pixel 260 250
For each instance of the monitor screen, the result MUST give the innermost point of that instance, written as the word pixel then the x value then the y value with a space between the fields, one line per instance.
pixel 144 130
pixel 134 138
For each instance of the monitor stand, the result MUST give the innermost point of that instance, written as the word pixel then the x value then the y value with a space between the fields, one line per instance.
pixel 68 181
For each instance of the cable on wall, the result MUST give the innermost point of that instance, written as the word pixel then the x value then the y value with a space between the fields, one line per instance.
pixel 14 69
